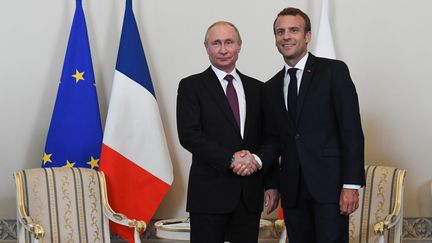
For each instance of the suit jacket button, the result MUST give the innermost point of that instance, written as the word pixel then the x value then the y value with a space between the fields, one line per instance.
pixel 297 136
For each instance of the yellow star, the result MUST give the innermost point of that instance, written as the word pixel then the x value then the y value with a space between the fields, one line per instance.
pixel 69 164
pixel 78 76
pixel 46 158
pixel 93 162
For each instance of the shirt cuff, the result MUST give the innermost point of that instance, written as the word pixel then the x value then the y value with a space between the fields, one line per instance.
pixel 258 160
pixel 351 186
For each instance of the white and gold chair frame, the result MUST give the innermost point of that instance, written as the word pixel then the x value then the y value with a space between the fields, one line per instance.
pixel 79 195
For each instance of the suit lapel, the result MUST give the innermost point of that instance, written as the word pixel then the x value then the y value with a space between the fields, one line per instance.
pixel 215 90
pixel 305 83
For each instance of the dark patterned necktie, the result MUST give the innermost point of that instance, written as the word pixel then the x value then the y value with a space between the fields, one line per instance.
pixel 292 93
pixel 232 98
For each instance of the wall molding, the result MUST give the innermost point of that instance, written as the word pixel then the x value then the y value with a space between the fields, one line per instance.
pixel 414 229
pixel 417 229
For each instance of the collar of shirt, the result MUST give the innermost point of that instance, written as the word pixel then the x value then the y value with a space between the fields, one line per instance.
pixel 300 66
pixel 221 75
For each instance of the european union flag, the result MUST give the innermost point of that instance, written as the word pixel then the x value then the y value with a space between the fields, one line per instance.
pixel 75 133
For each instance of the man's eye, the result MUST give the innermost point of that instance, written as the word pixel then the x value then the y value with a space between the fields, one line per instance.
pixel 279 32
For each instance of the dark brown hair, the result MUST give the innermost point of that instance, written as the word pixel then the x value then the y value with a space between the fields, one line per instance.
pixel 294 12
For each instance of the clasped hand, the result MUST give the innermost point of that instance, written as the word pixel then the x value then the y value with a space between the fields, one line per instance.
pixel 244 163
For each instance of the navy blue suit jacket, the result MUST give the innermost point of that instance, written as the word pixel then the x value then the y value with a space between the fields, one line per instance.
pixel 326 142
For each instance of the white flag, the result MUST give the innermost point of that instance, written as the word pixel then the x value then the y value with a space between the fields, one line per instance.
pixel 324 46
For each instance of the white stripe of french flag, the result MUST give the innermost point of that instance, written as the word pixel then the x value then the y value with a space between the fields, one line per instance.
pixel 324 44
pixel 134 157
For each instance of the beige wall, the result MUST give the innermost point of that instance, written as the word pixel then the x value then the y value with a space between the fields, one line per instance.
pixel 387 45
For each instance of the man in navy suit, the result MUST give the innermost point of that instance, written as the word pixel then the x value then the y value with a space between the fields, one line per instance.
pixel 313 123
pixel 219 120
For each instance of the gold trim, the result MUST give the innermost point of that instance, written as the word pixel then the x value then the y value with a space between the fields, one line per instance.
pixel 53 207
pixel 351 227
pixel 365 216
pixel 66 205
pixel 92 186
pixel 35 229
pixel 140 226
pixel 81 211
pixel 105 194
pixel 381 193
pixel 20 197
pixel 391 219
pixel 279 225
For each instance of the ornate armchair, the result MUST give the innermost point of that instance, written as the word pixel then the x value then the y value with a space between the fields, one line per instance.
pixel 379 217
pixel 65 205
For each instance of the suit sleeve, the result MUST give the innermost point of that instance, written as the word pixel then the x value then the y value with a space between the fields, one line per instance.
pixel 269 151
pixel 349 124
pixel 190 132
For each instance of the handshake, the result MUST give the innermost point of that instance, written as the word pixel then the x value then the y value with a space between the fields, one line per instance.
pixel 244 163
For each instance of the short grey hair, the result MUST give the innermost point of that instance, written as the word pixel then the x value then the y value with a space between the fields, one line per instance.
pixel 222 23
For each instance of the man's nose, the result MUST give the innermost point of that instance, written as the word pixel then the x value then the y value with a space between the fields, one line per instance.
pixel 223 49
pixel 287 35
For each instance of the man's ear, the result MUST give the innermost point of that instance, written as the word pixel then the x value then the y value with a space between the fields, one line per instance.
pixel 308 36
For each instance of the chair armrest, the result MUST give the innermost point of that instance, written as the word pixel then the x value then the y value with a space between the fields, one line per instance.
pixel 35 229
pixel 395 216
pixel 279 225
pixel 139 226
pixel 26 221
pixel 389 222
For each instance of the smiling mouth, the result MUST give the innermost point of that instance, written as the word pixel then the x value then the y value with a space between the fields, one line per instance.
pixel 288 45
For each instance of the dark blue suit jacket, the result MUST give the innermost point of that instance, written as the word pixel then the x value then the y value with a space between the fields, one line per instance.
pixel 325 142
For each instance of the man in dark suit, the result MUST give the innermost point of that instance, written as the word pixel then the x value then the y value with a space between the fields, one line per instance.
pixel 219 120
pixel 314 124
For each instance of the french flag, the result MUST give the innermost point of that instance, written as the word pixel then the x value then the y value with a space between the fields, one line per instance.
pixel 134 156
